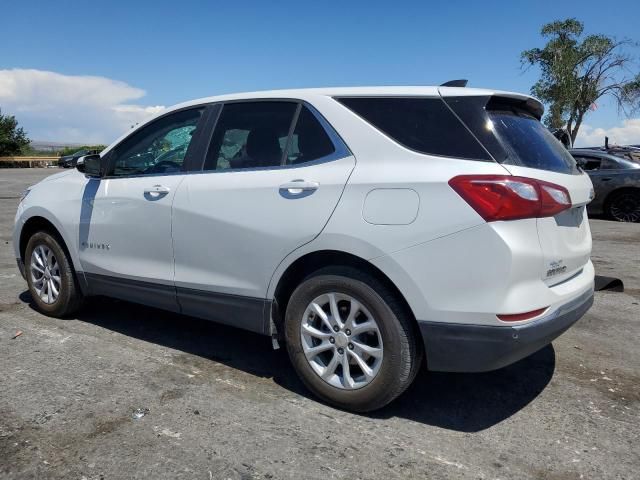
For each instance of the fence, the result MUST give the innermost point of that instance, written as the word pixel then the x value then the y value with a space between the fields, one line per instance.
pixel 27 162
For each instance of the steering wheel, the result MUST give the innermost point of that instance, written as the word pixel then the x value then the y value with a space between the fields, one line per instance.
pixel 164 166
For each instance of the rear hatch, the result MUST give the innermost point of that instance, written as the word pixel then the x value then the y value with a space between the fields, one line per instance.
pixel 509 128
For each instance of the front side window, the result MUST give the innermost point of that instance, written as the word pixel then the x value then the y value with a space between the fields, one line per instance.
pixel 250 135
pixel 159 147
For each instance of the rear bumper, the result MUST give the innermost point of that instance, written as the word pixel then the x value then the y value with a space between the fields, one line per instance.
pixel 453 347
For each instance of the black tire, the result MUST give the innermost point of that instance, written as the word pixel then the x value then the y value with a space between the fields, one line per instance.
pixel 69 297
pixel 624 206
pixel 402 346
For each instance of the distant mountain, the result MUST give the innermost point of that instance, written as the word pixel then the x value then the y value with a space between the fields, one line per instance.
pixel 46 145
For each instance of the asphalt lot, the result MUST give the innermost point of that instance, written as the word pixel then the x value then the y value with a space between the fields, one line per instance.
pixel 222 404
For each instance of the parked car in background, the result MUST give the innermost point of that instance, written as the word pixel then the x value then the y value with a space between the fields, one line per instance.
pixel 70 161
pixel 629 152
pixel 367 228
pixel 616 182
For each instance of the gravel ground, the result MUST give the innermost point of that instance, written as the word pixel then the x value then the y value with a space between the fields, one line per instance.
pixel 222 404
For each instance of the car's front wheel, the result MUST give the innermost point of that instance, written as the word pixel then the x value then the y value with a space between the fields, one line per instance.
pixel 50 276
pixel 350 339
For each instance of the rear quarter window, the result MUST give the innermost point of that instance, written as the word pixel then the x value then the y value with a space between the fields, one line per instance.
pixel 425 125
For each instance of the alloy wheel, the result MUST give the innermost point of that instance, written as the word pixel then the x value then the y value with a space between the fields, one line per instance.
pixel 341 341
pixel 45 274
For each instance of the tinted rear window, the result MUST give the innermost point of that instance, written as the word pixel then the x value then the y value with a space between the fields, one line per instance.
pixel 511 133
pixel 250 135
pixel 309 141
pixel 425 125
pixel 529 143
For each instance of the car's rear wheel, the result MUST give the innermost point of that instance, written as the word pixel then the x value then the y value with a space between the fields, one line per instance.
pixel 50 276
pixel 624 206
pixel 350 339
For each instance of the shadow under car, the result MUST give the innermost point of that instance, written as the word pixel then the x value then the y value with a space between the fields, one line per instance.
pixel 455 401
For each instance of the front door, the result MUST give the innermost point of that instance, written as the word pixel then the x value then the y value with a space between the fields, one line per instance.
pixel 125 241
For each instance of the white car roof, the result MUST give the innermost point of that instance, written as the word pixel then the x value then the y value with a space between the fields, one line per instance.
pixel 310 93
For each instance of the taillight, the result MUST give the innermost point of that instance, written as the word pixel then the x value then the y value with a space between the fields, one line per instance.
pixel 505 197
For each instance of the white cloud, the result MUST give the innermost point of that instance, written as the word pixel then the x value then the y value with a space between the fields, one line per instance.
pixel 626 133
pixel 71 108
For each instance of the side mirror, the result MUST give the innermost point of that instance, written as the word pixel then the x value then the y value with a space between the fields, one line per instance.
pixel 89 165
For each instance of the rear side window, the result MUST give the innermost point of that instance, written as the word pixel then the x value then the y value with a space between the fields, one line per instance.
pixel 425 125
pixel 250 135
pixel 609 164
pixel 309 141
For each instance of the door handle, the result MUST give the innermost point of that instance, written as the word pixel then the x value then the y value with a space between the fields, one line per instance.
pixel 605 179
pixel 158 189
pixel 296 187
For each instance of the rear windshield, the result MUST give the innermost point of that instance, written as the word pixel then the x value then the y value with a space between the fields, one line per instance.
pixel 511 133
pixel 425 125
pixel 529 143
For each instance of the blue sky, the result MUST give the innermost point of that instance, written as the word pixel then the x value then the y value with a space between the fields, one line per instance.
pixel 167 52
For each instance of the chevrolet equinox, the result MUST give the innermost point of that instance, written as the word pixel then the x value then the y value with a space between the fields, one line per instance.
pixel 369 229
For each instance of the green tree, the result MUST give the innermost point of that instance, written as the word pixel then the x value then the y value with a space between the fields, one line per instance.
pixel 13 140
pixel 577 70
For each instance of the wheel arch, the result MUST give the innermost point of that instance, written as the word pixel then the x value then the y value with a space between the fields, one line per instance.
pixel 40 223
pixel 311 262
pixel 37 224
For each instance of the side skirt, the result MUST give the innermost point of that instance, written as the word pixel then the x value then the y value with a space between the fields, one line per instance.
pixel 235 310
pixel 247 313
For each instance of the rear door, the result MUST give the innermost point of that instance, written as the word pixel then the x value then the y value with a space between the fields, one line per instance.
pixel 511 131
pixel 273 175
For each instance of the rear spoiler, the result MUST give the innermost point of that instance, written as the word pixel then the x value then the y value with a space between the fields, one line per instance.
pixel 528 104
pixel 455 83
pixel 496 98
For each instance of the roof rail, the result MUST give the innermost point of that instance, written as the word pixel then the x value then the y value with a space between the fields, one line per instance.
pixel 455 83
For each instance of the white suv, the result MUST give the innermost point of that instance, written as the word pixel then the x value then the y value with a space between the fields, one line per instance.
pixel 368 228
